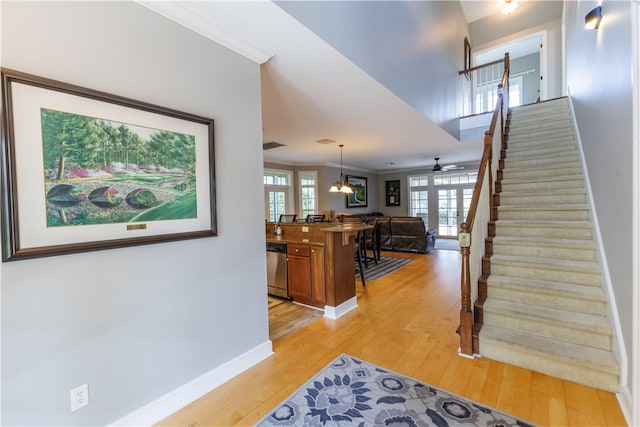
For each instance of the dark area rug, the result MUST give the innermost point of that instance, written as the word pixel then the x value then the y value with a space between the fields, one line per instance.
pixel 351 392
pixel 385 266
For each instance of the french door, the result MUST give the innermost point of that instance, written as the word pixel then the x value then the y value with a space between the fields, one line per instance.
pixel 453 207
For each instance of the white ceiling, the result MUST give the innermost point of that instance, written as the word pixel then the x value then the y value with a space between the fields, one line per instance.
pixel 311 92
pixel 478 9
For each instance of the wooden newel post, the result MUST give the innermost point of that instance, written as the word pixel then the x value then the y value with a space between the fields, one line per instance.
pixel 466 314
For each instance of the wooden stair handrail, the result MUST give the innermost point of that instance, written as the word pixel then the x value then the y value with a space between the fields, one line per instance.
pixel 468 330
pixel 479 67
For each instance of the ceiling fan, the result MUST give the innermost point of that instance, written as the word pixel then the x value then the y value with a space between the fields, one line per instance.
pixel 438 168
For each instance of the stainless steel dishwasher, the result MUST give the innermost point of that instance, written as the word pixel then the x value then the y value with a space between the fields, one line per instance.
pixel 277 269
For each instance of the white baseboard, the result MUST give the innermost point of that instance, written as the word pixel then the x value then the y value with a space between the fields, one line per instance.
pixel 626 403
pixel 345 307
pixel 194 389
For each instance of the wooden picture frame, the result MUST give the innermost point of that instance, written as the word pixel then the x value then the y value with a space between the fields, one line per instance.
pixel 467 56
pixel 84 170
pixel 392 193
pixel 357 199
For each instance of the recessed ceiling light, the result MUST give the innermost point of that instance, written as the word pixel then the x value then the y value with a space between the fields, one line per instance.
pixel 325 141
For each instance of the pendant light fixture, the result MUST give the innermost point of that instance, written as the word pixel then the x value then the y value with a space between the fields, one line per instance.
pixel 341 186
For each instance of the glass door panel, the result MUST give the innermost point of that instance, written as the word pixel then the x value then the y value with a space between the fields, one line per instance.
pixel 448 212
pixel 467 195
pixel 277 204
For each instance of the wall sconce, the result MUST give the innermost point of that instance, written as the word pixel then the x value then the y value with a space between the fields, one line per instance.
pixel 593 18
pixel 509 6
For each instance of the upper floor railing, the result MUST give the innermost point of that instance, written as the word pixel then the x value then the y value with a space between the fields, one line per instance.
pixel 480 87
pixel 475 229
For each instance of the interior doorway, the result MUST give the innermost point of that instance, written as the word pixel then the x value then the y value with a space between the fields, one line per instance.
pixel 528 65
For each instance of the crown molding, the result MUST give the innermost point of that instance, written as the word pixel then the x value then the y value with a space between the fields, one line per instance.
pixel 189 18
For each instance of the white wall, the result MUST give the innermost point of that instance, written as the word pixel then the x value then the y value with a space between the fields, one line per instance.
pixel 423 72
pixel 138 322
pixel 599 66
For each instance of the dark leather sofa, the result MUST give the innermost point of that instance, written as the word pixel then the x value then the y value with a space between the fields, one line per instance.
pixel 406 234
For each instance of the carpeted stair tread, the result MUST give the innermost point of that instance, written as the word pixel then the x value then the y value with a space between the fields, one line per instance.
pixel 568 249
pixel 540 162
pixel 552 243
pixel 543 150
pixel 560 296
pixel 544 212
pixel 550 148
pixel 563 207
pixel 542 166
pixel 518 114
pixel 601 360
pixel 537 314
pixel 540 128
pixel 538 228
pixel 541 190
pixel 543 181
pixel 584 365
pixel 547 108
pixel 536 223
pixel 543 195
pixel 529 148
pixel 583 273
pixel 590 267
pixel 534 173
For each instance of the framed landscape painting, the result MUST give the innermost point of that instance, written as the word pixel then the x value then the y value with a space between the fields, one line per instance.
pixel 84 170
pixel 357 199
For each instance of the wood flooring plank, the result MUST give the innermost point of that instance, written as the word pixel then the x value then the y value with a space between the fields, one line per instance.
pixel 611 409
pixel 583 404
pixel 477 380
pixel 404 322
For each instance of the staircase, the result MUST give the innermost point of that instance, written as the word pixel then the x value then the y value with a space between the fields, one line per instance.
pixel 546 309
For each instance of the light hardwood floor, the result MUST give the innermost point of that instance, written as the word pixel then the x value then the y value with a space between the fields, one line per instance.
pixel 404 322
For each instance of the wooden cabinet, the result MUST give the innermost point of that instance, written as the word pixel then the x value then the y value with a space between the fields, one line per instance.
pixel 317 276
pixel 305 274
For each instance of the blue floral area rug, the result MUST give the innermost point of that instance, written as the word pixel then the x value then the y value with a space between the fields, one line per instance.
pixel 351 392
pixel 386 265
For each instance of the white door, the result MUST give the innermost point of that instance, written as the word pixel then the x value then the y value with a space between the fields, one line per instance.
pixel 453 207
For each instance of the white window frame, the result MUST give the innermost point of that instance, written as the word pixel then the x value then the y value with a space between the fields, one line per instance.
pixel 287 189
pixel 422 188
pixel 301 187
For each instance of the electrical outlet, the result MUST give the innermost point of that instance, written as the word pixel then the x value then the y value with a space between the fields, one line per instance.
pixel 305 229
pixel 79 397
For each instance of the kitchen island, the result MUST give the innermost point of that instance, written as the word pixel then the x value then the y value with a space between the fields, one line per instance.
pixel 320 258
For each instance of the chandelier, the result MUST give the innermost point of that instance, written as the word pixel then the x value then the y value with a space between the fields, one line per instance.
pixel 341 186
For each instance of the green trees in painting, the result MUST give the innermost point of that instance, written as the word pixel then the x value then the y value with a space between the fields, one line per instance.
pixel 69 136
pixel 94 143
